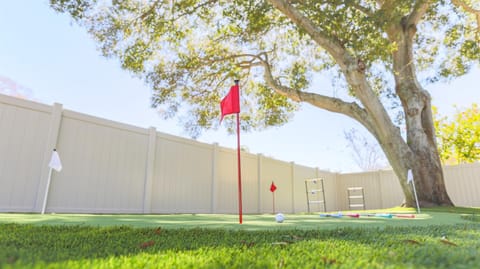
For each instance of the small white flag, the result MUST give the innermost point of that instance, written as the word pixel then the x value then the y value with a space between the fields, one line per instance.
pixel 409 176
pixel 55 162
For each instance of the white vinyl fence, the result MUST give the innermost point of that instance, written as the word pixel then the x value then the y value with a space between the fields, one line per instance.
pixel 110 167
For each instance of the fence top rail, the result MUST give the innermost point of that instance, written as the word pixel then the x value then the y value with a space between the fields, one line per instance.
pixel 314 180
pixel 26 104
pixel 70 114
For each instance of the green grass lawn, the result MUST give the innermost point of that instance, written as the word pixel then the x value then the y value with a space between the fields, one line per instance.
pixel 441 238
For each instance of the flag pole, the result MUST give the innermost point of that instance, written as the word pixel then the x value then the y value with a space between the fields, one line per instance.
pixel 46 191
pixel 416 198
pixel 411 180
pixel 273 195
pixel 240 214
pixel 273 188
pixel 53 164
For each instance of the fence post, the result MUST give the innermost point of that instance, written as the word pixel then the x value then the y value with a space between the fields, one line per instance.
pixel 380 189
pixel 213 206
pixel 149 170
pixel 292 181
pixel 52 138
pixel 259 180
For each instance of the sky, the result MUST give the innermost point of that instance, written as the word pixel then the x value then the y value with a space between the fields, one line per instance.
pixel 55 61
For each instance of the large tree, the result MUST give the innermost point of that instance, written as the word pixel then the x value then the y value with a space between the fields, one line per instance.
pixel 379 52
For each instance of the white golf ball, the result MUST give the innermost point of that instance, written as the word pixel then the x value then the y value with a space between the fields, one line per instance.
pixel 279 217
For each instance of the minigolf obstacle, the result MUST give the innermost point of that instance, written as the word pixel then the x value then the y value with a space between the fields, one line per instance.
pixel 315 194
pixel 368 215
pixel 356 198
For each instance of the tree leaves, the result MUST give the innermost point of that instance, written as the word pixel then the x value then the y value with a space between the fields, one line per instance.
pixel 458 138
pixel 190 51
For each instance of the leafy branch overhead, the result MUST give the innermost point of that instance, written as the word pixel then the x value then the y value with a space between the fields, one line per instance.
pixel 190 51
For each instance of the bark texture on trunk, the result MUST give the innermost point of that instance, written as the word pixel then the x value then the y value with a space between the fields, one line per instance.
pixel 424 160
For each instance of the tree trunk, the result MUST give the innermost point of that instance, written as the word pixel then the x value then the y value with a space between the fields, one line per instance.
pixel 424 160
pixel 419 152
pixel 425 163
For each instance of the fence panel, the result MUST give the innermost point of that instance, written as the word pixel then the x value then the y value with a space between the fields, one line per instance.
pixel 103 166
pixel 330 183
pixel 390 190
pixel 382 188
pixel 109 167
pixel 227 182
pixel 281 173
pixel 370 183
pixel 463 184
pixel 299 192
pixel 250 182
pixel 24 129
pixel 182 180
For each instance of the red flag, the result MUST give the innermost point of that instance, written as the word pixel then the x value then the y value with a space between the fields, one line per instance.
pixel 273 188
pixel 230 104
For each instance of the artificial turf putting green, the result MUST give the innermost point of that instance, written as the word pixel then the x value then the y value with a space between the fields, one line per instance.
pixel 250 222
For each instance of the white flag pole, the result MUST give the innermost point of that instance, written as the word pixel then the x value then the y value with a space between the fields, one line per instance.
pixel 46 191
pixel 56 164
pixel 410 180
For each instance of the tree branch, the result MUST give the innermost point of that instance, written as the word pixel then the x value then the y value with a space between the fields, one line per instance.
pixel 334 48
pixel 418 10
pixel 194 8
pixel 149 11
pixel 467 8
pixel 373 116
pixel 253 61
pixel 464 5
pixel 336 105
pixel 362 9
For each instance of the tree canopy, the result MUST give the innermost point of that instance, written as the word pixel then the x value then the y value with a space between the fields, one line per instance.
pixel 379 54
pixel 189 51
